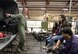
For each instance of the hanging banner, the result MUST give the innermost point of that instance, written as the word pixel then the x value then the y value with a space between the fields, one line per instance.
pixel 44 25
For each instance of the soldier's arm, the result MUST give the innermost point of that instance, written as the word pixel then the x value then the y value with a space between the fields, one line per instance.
pixel 15 15
pixel 25 25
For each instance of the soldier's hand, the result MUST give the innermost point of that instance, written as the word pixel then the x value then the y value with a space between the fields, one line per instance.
pixel 8 15
pixel 55 47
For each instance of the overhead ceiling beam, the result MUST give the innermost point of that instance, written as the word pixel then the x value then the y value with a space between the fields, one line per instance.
pixel 49 10
pixel 63 1
pixel 52 7
pixel 63 11
pixel 22 2
pixel 50 1
pixel 47 3
pixel 25 2
pixel 68 3
pixel 74 3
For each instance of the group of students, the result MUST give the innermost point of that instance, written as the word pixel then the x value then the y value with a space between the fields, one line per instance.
pixel 63 33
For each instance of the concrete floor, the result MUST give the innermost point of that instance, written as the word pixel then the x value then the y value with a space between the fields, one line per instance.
pixel 34 46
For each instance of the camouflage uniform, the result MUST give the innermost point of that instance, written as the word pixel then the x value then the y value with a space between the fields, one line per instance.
pixel 21 28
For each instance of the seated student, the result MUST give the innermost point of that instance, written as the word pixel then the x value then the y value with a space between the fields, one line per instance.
pixel 48 39
pixel 53 31
pixel 70 44
pixel 56 38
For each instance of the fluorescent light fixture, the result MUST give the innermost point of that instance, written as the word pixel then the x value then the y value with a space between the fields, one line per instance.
pixel 43 8
pixel 65 9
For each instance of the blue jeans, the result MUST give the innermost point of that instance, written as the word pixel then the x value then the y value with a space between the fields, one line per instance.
pixel 53 39
pixel 49 38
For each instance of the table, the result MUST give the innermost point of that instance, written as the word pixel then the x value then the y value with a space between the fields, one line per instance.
pixel 6 43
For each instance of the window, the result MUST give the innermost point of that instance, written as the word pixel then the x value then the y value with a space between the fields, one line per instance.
pixel 36 25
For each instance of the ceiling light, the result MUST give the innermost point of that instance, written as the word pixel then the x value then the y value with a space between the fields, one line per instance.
pixel 43 8
pixel 65 9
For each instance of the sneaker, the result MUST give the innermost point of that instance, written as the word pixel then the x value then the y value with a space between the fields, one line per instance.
pixel 45 47
pixel 18 50
pixel 24 49
pixel 49 51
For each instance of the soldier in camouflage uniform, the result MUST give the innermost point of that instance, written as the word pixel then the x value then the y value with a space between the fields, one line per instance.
pixel 21 27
